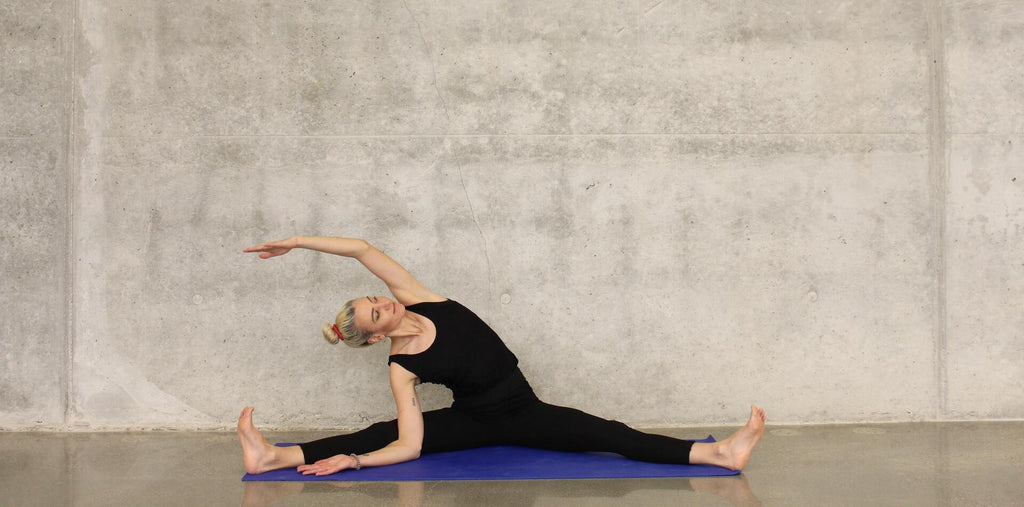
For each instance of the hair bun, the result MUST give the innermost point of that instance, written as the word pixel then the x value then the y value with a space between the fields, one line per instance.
pixel 329 334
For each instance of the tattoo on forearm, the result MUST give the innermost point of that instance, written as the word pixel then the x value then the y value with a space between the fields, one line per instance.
pixel 414 401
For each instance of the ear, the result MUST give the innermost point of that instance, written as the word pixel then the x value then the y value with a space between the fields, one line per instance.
pixel 375 338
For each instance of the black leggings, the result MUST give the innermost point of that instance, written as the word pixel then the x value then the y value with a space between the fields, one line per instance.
pixel 534 424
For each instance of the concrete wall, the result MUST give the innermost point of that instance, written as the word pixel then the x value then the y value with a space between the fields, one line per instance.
pixel 35 39
pixel 984 212
pixel 669 210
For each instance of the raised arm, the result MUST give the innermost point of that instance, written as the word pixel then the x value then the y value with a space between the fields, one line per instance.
pixel 410 432
pixel 406 289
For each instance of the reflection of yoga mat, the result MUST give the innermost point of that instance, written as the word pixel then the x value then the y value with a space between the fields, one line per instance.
pixel 502 463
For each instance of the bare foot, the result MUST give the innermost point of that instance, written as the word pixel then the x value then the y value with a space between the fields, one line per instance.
pixel 736 449
pixel 257 454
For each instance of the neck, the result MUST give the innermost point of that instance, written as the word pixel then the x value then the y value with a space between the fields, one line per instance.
pixel 411 327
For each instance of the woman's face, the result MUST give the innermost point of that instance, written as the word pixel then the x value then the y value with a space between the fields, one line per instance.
pixel 377 314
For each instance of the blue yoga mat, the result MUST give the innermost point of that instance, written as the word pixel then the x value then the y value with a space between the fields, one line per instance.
pixel 502 463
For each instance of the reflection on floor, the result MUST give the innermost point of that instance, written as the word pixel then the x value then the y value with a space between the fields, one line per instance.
pixel 892 464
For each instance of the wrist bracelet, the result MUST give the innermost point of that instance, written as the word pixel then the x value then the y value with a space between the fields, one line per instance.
pixel 358 464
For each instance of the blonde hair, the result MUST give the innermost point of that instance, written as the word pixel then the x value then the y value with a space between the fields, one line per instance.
pixel 346 322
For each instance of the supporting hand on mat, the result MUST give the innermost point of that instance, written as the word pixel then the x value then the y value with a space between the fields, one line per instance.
pixel 274 248
pixel 329 466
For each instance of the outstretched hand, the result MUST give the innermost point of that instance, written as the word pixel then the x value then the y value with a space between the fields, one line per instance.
pixel 274 249
pixel 329 466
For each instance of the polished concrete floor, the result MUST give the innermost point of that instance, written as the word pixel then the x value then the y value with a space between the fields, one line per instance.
pixel 893 464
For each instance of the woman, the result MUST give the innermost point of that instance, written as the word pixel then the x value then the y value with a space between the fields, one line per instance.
pixel 435 339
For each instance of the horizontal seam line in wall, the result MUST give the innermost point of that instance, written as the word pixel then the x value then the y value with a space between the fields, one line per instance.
pixel 948 132
pixel 228 428
pixel 395 136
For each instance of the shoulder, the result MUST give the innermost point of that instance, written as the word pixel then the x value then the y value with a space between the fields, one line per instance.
pixel 413 299
pixel 442 305
pixel 400 376
pixel 432 304
pixel 430 308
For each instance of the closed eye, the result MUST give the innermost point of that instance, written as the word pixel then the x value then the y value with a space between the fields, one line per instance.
pixel 373 313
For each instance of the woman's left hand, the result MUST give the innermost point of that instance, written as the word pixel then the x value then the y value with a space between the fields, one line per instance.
pixel 329 466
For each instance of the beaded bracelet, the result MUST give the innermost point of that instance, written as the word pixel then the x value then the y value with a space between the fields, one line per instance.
pixel 358 464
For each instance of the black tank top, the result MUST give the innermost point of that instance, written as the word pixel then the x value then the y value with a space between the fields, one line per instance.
pixel 467 356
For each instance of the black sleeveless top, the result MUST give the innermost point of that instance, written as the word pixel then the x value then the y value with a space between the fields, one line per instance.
pixel 467 356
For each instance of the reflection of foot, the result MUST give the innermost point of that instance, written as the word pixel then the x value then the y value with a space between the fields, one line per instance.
pixel 257 454
pixel 410 494
pixel 737 447
pixel 733 489
pixel 260 494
